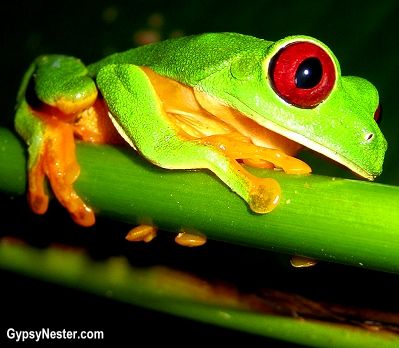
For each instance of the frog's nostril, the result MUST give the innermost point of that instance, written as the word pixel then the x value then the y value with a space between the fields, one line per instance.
pixel 369 136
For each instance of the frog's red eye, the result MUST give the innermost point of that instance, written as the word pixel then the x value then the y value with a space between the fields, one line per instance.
pixel 378 114
pixel 302 74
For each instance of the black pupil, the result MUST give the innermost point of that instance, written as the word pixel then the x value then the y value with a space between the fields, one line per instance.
pixel 309 73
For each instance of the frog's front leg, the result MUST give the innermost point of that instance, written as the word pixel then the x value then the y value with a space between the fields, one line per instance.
pixel 139 117
pixel 256 155
pixel 54 90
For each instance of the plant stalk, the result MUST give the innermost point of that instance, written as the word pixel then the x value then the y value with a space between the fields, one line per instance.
pixel 346 221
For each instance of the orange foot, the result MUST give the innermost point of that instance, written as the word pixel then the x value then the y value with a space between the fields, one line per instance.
pixel 58 162
pixel 142 233
pixel 190 239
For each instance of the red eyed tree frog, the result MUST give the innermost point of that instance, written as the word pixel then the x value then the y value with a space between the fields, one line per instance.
pixel 210 101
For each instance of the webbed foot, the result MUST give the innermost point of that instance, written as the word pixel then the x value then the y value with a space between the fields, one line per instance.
pixel 57 161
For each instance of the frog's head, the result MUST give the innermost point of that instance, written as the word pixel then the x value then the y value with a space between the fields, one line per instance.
pixel 298 91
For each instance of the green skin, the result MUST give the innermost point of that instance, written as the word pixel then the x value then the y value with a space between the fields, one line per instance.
pixel 233 68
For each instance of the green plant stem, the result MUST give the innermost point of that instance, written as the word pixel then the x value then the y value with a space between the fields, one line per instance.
pixel 152 288
pixel 339 220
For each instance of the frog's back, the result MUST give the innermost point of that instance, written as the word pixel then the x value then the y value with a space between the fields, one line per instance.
pixel 188 59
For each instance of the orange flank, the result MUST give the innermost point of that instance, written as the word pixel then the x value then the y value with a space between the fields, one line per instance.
pixel 258 134
pixel 188 117
pixel 198 116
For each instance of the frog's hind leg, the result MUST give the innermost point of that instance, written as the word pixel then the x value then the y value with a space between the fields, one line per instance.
pixel 52 155
pixel 137 113
pixel 54 91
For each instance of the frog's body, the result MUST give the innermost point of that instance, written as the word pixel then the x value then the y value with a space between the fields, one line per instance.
pixel 196 102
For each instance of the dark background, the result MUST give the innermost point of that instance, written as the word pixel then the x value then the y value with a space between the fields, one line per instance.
pixel 362 34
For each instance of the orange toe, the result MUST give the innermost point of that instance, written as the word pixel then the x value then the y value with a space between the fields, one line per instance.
pixel 142 233
pixel 57 161
pixel 37 197
pixel 264 196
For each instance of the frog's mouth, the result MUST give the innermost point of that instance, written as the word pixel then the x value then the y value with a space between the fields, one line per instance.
pixel 297 138
pixel 325 151
pixel 310 144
